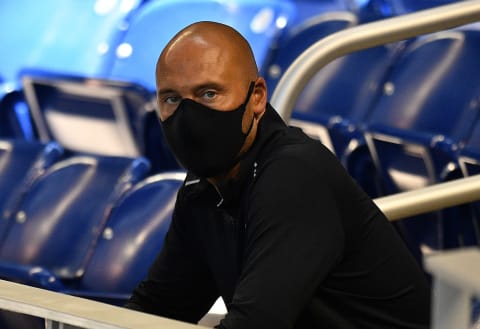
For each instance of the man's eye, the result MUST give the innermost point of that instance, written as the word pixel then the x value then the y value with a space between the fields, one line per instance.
pixel 209 94
pixel 172 100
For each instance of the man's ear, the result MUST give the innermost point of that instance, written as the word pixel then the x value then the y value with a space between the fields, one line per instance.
pixel 259 97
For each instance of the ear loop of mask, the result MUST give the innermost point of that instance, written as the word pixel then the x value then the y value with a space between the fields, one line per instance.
pixel 247 99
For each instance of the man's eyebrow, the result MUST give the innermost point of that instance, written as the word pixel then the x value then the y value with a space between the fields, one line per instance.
pixel 164 91
pixel 200 87
pixel 208 85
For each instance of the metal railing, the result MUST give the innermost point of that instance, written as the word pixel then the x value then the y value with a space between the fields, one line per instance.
pixel 59 309
pixel 430 198
pixel 65 309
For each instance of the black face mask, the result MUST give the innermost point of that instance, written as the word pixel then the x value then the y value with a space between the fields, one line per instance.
pixel 204 140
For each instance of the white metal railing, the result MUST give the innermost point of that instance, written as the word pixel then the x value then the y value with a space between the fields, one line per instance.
pixel 430 198
pixel 79 312
pixel 83 313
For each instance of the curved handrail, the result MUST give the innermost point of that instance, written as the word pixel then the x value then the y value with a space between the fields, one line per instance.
pixel 365 36
pixel 430 198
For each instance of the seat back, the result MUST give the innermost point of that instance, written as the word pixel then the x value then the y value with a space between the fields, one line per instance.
pixel 21 164
pixel 158 21
pixel 427 108
pixel 432 86
pixel 63 213
pixel 425 113
pixel 132 238
pixel 296 39
pixel 87 115
pixel 97 116
pixel 339 97
pixel 15 120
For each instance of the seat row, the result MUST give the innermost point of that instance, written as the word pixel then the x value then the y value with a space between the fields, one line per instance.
pixel 84 225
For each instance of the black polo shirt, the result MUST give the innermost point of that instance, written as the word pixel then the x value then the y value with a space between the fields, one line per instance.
pixel 292 242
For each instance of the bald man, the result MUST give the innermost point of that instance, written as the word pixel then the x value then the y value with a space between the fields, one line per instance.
pixel 267 218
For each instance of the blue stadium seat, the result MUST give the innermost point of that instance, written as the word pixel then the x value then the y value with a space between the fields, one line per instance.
pixel 21 164
pixel 96 116
pixel 67 36
pixel 469 162
pixel 427 109
pixel 295 39
pixel 426 112
pixel 334 105
pixel 15 120
pixel 408 6
pixel 372 10
pixel 132 236
pixel 156 22
pixel 63 214
pixel 340 96
pixel 55 226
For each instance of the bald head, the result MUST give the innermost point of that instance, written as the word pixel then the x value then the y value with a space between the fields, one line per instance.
pixel 201 36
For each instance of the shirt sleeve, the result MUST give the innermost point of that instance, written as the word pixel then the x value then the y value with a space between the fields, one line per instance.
pixel 178 285
pixel 294 236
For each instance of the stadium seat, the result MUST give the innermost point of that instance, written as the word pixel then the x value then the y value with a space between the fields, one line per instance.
pixel 65 36
pixel 295 39
pixel 336 101
pixel 132 238
pixel 425 113
pixel 21 164
pixel 63 213
pixel 469 163
pixel 15 120
pixel 335 104
pixel 156 22
pixel 408 6
pixel 96 116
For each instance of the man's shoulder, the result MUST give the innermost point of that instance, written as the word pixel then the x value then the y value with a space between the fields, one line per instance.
pixel 295 145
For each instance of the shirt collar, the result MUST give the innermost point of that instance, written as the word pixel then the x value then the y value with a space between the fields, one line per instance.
pixel 269 126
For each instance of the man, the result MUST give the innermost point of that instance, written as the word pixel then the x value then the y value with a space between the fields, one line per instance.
pixel 267 218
